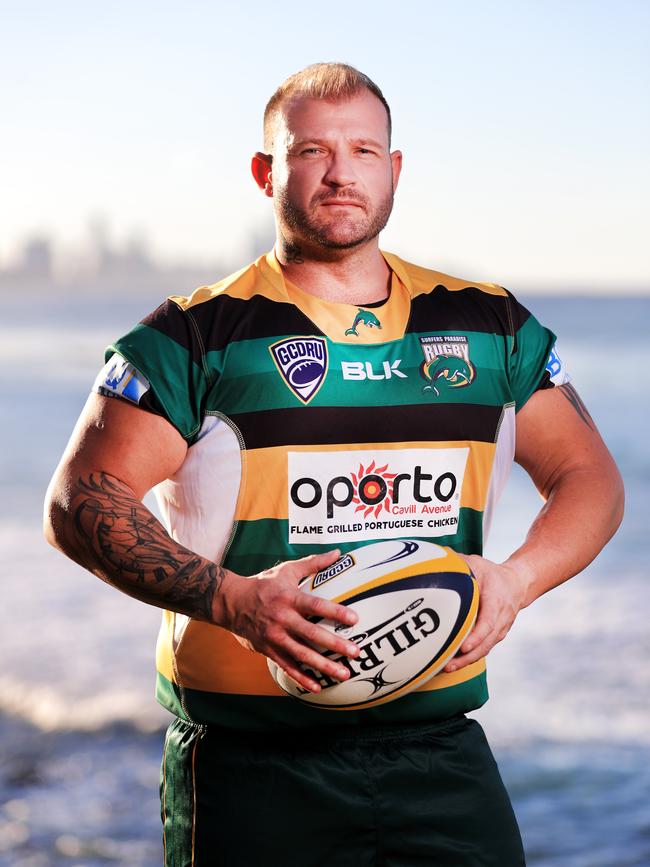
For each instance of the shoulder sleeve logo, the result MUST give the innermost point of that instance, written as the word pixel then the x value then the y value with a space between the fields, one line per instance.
pixel 119 378
pixel 302 364
pixel 556 370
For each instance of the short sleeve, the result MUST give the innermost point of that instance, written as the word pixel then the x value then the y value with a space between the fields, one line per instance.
pixel 159 366
pixel 533 362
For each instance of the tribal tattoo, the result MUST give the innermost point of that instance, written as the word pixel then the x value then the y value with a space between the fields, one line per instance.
pixel 127 547
pixel 569 392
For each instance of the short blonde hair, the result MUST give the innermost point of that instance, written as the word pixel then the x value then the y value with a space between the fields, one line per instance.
pixel 333 81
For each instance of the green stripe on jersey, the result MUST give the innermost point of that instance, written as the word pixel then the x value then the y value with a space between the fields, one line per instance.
pixel 385 374
pixel 178 384
pixel 532 343
pixel 264 713
pixel 258 545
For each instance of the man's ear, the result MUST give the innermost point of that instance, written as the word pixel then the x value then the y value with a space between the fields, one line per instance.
pixel 396 162
pixel 261 169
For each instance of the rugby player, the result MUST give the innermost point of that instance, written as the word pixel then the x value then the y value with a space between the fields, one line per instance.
pixel 264 409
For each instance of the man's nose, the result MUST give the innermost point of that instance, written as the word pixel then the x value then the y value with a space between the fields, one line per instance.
pixel 340 170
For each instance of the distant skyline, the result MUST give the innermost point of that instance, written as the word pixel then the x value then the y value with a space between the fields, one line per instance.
pixel 525 128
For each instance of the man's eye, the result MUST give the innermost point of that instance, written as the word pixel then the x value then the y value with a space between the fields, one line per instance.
pixel 310 151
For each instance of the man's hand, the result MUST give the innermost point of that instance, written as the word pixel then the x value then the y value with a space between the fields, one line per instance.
pixel 561 450
pixel 269 614
pixel 502 596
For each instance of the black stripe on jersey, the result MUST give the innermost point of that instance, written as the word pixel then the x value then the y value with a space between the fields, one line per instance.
pixel 468 309
pixel 333 425
pixel 223 320
pixel 169 319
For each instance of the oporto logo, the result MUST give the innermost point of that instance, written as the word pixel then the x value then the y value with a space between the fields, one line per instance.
pixel 387 493
pixel 302 363
pixel 372 489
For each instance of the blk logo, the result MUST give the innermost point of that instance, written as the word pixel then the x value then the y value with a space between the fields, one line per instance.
pixel 359 370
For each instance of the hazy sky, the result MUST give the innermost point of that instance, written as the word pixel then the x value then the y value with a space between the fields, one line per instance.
pixel 525 126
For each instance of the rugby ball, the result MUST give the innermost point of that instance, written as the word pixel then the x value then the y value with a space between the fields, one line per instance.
pixel 416 602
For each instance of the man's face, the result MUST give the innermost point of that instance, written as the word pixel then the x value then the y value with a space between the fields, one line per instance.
pixel 333 177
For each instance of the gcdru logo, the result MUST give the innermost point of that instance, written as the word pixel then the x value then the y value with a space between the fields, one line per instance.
pixel 302 363
pixel 446 363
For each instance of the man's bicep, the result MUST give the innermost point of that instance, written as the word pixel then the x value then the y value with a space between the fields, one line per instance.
pixel 116 437
pixel 555 435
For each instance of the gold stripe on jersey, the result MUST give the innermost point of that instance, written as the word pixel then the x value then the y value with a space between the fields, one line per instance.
pixel 420 280
pixel 214 661
pixel 265 277
pixel 270 464
pixel 243 285
pixel 336 320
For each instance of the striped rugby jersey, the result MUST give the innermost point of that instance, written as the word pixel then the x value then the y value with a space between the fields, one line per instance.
pixel 313 425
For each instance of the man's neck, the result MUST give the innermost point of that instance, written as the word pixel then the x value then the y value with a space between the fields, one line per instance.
pixel 353 277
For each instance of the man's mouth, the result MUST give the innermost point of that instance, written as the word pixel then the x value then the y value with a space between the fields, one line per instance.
pixel 342 203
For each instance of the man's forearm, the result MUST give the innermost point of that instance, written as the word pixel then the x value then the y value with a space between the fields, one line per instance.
pixel 583 511
pixel 106 529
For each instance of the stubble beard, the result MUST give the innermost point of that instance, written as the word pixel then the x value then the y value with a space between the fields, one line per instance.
pixel 301 225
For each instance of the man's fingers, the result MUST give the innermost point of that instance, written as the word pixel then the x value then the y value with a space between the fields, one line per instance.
pixel 294 654
pixel 289 666
pixel 483 627
pixel 310 658
pixel 477 644
pixel 463 659
pixel 314 606
pixel 314 563
pixel 317 636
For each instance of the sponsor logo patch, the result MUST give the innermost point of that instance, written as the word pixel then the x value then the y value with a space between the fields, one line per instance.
pixel 302 364
pixel 446 364
pixel 361 495
pixel 119 378
pixel 556 369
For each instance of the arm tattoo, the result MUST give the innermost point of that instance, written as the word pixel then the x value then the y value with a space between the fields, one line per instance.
pixel 569 392
pixel 124 544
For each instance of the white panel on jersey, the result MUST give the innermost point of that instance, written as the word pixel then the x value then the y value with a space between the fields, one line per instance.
pixel 198 503
pixel 503 457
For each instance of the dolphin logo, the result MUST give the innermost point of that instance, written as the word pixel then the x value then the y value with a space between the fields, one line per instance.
pixel 363 317
pixel 447 371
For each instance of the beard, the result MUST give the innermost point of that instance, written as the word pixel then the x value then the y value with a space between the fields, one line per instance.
pixel 334 232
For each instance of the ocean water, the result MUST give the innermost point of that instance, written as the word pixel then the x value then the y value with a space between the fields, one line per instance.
pixel 81 735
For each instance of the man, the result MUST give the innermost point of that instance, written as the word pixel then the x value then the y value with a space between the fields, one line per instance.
pixel 260 407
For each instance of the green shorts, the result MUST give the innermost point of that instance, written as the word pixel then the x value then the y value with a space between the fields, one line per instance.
pixel 390 796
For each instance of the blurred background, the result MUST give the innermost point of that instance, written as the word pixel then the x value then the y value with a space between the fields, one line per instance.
pixel 126 132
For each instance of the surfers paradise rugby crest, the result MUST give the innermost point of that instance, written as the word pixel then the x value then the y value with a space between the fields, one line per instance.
pixel 303 438
pixel 446 362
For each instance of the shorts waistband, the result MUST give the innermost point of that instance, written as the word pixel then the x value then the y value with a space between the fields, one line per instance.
pixel 327 735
